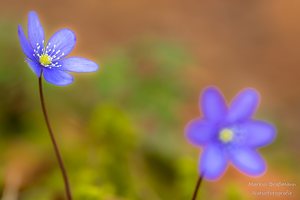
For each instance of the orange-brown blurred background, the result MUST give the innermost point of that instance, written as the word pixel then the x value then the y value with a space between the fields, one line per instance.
pixel 155 56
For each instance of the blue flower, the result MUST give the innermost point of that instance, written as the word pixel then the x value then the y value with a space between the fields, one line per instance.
pixel 50 59
pixel 229 134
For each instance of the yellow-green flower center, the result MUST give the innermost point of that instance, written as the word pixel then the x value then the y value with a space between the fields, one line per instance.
pixel 226 135
pixel 45 59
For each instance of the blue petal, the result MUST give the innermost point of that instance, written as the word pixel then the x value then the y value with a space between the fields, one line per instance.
pixel 243 105
pixel 35 31
pixel 213 162
pixel 75 64
pixel 199 132
pixel 57 77
pixel 257 133
pixel 35 67
pixel 26 47
pixel 61 44
pixel 213 104
pixel 248 161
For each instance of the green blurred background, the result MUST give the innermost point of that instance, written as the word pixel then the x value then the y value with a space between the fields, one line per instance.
pixel 121 129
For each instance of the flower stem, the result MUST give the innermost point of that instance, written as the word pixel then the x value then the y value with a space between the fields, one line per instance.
pixel 199 181
pixel 54 143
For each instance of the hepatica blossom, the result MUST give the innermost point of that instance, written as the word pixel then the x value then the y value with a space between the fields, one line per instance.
pixel 229 134
pixel 49 58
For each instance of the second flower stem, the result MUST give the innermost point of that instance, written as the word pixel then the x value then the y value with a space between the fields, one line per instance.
pixel 198 184
pixel 54 143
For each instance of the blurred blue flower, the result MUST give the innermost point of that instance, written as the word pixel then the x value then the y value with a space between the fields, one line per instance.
pixel 229 134
pixel 49 59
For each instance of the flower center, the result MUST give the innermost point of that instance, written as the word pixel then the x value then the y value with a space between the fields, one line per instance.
pixel 226 135
pixel 45 60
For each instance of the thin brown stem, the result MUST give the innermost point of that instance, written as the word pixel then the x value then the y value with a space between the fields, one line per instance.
pixel 198 184
pixel 54 143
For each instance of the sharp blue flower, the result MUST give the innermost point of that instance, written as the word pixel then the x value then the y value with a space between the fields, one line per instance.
pixel 229 134
pixel 50 59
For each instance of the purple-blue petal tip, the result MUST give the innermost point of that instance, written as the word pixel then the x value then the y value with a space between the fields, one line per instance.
pixel 213 104
pixel 243 105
